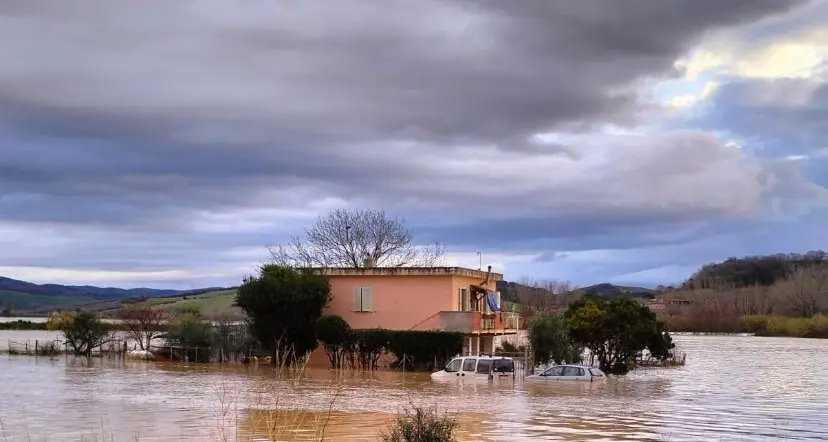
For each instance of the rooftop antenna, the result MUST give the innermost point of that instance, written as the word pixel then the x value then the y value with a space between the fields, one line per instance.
pixel 480 257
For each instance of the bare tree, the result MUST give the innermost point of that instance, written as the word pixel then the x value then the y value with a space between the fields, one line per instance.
pixel 345 238
pixel 544 294
pixel 805 291
pixel 142 324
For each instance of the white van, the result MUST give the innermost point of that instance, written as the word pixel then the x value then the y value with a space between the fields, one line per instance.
pixel 477 367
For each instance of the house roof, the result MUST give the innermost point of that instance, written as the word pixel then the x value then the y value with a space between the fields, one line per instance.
pixel 408 271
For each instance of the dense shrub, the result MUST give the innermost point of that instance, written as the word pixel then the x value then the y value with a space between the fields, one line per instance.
pixel 414 350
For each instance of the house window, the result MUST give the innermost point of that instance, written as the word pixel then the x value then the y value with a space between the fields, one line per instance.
pixel 363 299
pixel 464 301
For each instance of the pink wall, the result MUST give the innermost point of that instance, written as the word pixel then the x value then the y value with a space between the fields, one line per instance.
pixel 399 301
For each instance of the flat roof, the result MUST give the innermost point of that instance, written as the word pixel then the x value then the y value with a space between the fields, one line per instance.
pixel 408 271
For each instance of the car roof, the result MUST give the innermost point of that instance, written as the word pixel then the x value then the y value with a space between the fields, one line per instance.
pixel 484 357
pixel 575 365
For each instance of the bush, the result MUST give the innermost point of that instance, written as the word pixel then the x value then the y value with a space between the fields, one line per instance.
pixel 813 327
pixel 420 425
pixel 415 350
pixel 336 336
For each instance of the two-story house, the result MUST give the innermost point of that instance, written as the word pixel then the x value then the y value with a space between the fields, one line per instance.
pixel 423 298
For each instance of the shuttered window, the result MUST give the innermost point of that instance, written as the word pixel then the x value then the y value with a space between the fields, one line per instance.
pixel 465 300
pixel 363 299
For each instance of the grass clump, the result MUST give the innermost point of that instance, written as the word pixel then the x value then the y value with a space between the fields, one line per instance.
pixel 421 425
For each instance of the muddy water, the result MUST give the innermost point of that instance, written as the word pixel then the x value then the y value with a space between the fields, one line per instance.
pixel 732 388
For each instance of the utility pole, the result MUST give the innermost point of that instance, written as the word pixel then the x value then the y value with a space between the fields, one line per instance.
pixel 480 258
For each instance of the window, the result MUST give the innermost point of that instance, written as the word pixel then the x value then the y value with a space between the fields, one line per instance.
pixel 484 365
pixel 363 299
pixel 554 371
pixel 573 371
pixel 596 372
pixel 453 366
pixel 504 365
pixel 468 364
pixel 464 301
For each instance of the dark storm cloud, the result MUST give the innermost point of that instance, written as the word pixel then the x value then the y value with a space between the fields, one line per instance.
pixel 142 117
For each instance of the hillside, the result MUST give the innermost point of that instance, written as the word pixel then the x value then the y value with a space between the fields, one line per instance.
pixel 23 297
pixel 216 304
pixel 613 291
pixel 753 270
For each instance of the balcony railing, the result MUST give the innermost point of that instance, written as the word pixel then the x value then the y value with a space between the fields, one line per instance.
pixel 477 322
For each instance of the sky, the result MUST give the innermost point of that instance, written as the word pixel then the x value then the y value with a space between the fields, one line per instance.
pixel 166 144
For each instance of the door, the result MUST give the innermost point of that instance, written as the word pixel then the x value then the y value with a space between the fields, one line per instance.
pixel 468 367
pixel 453 367
pixel 574 374
pixel 552 374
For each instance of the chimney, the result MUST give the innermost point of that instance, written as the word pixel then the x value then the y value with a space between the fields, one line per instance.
pixel 368 263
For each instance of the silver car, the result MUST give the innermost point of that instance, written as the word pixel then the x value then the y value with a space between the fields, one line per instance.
pixel 569 372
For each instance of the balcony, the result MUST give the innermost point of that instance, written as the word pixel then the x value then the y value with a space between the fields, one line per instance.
pixel 479 323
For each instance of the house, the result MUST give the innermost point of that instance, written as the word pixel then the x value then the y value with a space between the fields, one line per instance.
pixel 422 298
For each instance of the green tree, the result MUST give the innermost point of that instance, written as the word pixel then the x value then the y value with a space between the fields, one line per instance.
pixel 189 331
pixel 283 305
pixel 84 331
pixel 335 335
pixel 616 331
pixel 551 342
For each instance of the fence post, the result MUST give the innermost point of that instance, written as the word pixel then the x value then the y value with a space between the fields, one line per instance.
pixel 35 347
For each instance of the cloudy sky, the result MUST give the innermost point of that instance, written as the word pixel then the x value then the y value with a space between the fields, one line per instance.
pixel 164 144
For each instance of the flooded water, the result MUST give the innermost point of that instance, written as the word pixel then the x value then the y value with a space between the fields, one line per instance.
pixel 732 388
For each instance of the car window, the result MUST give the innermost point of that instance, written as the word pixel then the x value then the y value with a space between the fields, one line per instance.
pixel 504 365
pixel 468 364
pixel 484 365
pixel 453 366
pixel 573 371
pixel 554 371
pixel 597 373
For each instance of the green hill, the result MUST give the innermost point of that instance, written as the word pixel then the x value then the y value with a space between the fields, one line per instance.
pixel 216 304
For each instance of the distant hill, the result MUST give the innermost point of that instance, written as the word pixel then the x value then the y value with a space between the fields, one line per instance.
pixel 606 290
pixel 511 291
pixel 30 298
pixel 753 270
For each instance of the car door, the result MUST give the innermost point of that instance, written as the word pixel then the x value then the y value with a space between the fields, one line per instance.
pixel 571 373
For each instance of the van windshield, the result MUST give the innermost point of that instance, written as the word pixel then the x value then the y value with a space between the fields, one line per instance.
pixel 453 366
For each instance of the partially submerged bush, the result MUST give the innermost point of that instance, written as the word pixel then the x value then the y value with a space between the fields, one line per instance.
pixel 421 425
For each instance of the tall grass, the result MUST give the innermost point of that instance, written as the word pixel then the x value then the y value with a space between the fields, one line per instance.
pixel 813 327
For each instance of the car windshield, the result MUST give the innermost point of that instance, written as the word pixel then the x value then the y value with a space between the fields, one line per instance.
pixel 596 372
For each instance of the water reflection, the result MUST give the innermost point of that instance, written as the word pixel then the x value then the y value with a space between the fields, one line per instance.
pixel 733 388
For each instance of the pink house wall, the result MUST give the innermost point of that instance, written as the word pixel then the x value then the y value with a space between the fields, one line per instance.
pixel 399 301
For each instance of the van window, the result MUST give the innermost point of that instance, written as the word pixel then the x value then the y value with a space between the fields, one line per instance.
pixel 453 366
pixel 504 365
pixel 484 365
pixel 468 364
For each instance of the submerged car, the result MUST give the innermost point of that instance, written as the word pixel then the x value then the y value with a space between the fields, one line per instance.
pixel 569 372
pixel 477 367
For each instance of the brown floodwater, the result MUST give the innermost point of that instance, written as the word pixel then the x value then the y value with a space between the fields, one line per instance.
pixel 732 388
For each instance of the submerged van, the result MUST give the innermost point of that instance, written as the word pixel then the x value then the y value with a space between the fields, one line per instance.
pixel 477 367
